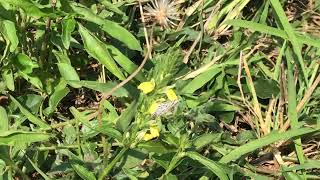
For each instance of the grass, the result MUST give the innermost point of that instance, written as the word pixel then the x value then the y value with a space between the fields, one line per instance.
pixel 207 89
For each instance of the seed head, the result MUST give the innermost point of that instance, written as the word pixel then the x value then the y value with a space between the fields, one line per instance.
pixel 162 12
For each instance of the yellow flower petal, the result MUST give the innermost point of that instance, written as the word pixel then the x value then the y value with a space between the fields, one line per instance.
pixel 147 137
pixel 154 132
pixel 153 108
pixel 171 95
pixel 147 87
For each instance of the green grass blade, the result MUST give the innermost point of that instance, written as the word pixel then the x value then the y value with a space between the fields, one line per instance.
pixel 264 141
pixel 292 104
pixel 273 31
pixel 291 34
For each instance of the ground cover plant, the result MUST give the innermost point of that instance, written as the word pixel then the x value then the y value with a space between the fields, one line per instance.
pixel 159 89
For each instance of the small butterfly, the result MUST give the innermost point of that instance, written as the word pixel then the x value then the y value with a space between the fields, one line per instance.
pixel 165 107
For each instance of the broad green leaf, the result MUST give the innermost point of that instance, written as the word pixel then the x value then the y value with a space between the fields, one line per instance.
pixel 132 158
pixel 125 118
pixel 25 64
pixel 70 134
pixel 264 141
pixel 98 50
pixel 156 147
pixel 101 87
pixel 109 130
pixel 28 6
pixel 68 26
pixel 113 29
pixel 8 30
pixel 200 80
pixel 206 139
pixel 31 101
pixel 82 171
pixel 104 128
pixel 266 88
pixel 68 73
pixel 34 80
pixel 60 92
pixel 7 76
pixel 217 106
pixel 4 121
pixel 29 115
pixel 61 57
pixel 125 62
pixel 11 138
pixel 213 166
pixel 111 7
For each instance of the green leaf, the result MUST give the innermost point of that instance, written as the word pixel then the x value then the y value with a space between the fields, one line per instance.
pixel 273 31
pixel 156 147
pixel 217 106
pixel 4 121
pixel 68 26
pixel 68 73
pixel 82 171
pixel 104 128
pixel 309 164
pixel 111 7
pixel 98 50
pixel 125 62
pixel 213 166
pixel 266 88
pixel 206 139
pixel 60 92
pixel 292 103
pixel 200 80
pixel 28 6
pixel 132 158
pixel 61 57
pixel 29 115
pixel 277 7
pixel 125 118
pixel 7 76
pixel 25 64
pixel 11 138
pixel 112 28
pixel 101 87
pixel 264 141
pixel 8 30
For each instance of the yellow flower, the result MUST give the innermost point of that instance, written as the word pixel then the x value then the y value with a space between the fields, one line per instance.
pixel 171 95
pixel 154 132
pixel 153 108
pixel 147 87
